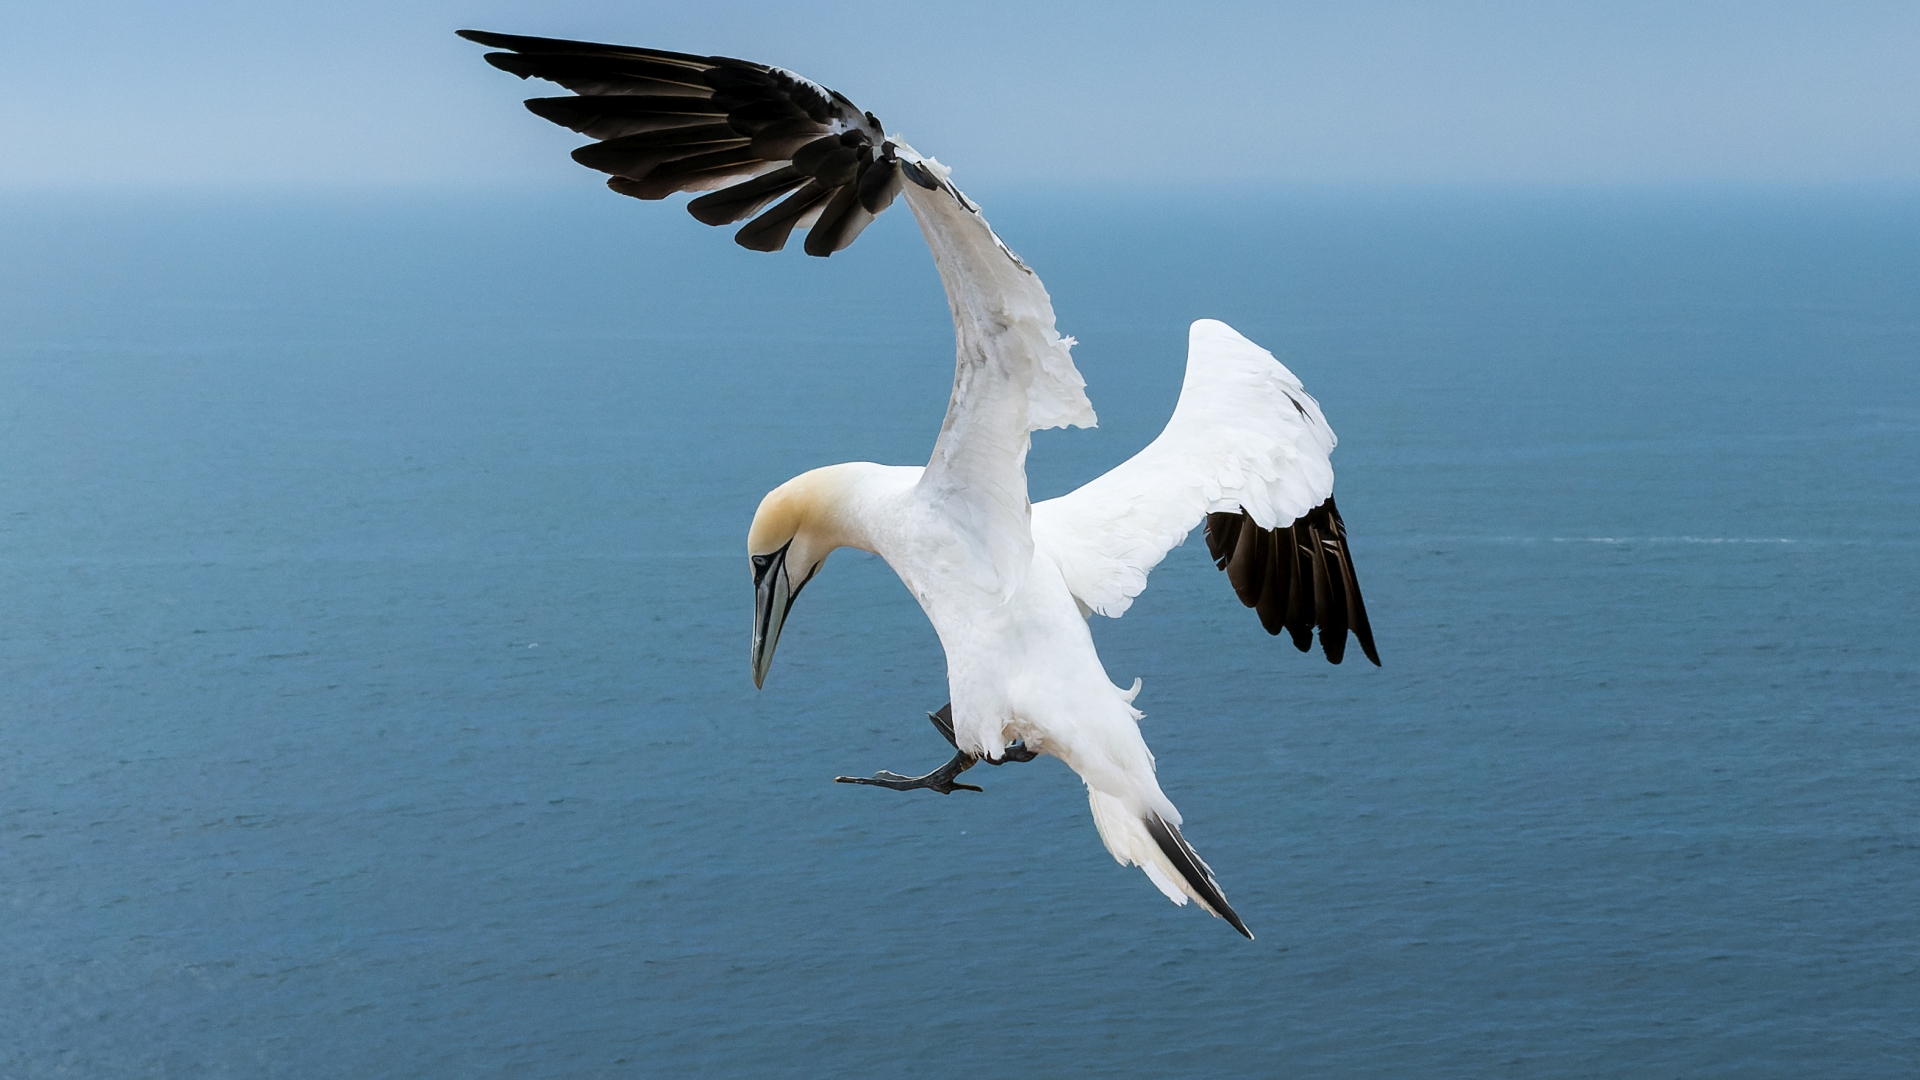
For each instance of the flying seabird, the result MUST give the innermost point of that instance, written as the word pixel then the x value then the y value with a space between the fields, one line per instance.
pixel 1008 585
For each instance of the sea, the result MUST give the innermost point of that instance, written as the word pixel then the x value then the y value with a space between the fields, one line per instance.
pixel 374 621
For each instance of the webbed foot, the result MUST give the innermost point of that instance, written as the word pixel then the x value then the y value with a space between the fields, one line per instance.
pixel 940 779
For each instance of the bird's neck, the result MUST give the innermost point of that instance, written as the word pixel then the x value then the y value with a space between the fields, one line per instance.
pixel 857 504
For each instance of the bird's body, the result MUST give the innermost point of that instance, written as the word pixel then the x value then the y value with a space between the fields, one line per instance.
pixel 1021 664
pixel 1008 586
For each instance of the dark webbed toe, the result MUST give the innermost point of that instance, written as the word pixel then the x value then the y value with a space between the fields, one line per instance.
pixel 940 779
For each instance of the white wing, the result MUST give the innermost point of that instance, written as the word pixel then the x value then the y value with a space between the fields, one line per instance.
pixel 1013 374
pixel 1244 436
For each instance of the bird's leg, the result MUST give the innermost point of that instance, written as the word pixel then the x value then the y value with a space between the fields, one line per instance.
pixel 942 778
pixel 1014 751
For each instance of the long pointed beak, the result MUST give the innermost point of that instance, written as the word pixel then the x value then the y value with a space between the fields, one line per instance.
pixel 772 599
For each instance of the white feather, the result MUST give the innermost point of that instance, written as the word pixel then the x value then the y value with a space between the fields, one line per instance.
pixel 1245 433
pixel 1130 844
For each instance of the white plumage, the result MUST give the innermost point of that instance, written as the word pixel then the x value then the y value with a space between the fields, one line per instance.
pixel 1007 585
pixel 1245 434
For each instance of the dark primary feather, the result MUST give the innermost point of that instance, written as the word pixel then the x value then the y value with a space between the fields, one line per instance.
pixel 609 116
pixel 668 122
pixel 536 45
pixel 1297 577
pixel 840 221
pixel 780 137
pixel 880 185
pixel 745 200
pixel 597 74
pixel 769 231
pixel 635 156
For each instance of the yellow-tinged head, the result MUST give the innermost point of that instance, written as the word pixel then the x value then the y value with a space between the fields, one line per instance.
pixel 797 526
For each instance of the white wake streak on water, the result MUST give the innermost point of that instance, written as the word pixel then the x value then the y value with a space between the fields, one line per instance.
pixel 1680 540
pixel 1797 541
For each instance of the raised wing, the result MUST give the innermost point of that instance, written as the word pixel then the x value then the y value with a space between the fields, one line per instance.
pixel 746 133
pixel 1013 374
pixel 1248 450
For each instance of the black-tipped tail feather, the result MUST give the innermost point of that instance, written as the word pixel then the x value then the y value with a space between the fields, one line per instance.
pixel 1198 875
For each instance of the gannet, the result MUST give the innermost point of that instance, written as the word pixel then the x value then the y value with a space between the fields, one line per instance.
pixel 1010 586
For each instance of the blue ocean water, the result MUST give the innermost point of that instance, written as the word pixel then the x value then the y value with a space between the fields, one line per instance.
pixel 374 662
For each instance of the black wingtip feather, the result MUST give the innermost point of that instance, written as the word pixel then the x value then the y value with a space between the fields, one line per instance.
pixel 535 46
pixel 1222 531
pixel 1244 567
pixel 1356 607
pixel 1333 618
pixel 489 39
pixel 614 116
pixel 842 220
pixel 770 230
pixel 511 63
pixel 745 199
pixel 1298 577
pixel 1198 875
pixel 669 122
pixel 1272 605
pixel 880 185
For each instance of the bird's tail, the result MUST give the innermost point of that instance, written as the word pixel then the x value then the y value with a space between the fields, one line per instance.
pixel 1156 846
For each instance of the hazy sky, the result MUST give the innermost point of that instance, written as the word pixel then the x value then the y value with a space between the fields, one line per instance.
pixel 270 92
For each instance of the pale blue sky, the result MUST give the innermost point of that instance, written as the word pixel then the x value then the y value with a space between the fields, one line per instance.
pixel 352 91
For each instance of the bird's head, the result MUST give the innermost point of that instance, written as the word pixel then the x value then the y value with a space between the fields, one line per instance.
pixel 797 526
